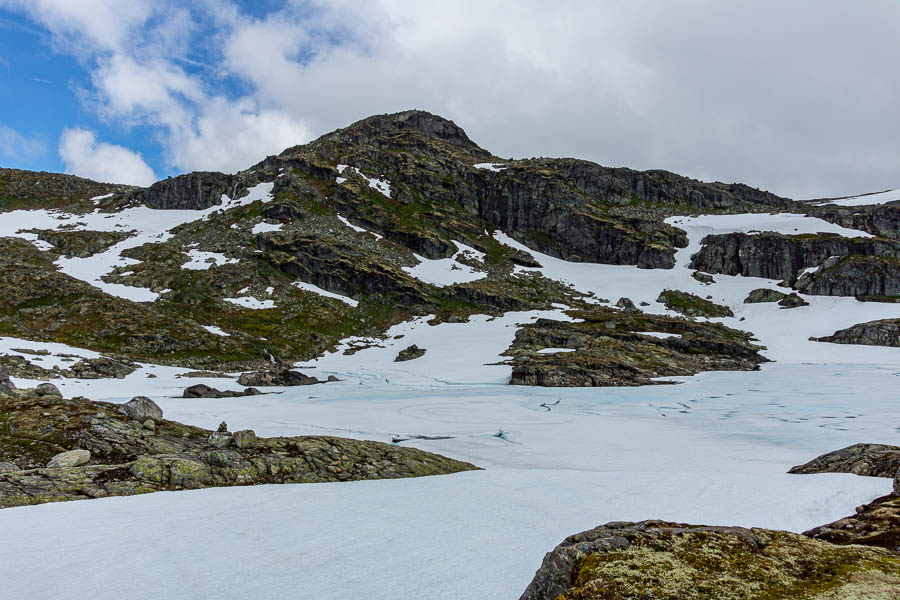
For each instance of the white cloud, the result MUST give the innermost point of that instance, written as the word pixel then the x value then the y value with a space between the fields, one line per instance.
pixel 84 156
pixel 789 96
pixel 14 145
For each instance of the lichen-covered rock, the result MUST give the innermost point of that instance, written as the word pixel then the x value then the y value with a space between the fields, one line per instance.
pixel 245 438
pixel 691 305
pixel 884 332
pixel 141 408
pixel 410 353
pixel 70 458
pixel 870 460
pixel 47 389
pixel 656 560
pixel 129 459
pixel 626 304
pixel 874 524
pixel 8 467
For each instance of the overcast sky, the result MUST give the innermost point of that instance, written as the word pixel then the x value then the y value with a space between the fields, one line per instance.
pixel 800 98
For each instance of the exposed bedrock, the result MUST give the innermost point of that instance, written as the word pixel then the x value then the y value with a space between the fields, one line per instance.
pixel 882 220
pixel 193 191
pixel 865 277
pixel 779 256
pixel 884 332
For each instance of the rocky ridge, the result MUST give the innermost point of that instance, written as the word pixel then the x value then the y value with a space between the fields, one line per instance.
pixel 624 348
pixel 54 449
pixel 884 332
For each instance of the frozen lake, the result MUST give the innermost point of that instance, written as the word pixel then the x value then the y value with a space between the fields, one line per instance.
pixel 711 450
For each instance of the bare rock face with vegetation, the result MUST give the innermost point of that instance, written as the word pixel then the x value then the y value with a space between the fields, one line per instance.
pixel 54 449
pixel 691 305
pixel 656 560
pixel 870 460
pixel 613 348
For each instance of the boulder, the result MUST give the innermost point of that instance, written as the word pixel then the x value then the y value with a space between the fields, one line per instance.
pixel 220 439
pixel 6 384
pixel 8 467
pixel 704 278
pixel 204 391
pixel 410 353
pixel 626 304
pixel 141 408
pixel 763 295
pixel 72 458
pixel 245 438
pixel 792 301
pixel 47 389
pixel 276 377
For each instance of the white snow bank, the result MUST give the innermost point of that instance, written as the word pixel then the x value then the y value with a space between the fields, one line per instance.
pixel 867 199
pixel 202 261
pixel 308 287
pixel 266 227
pixel 381 185
pixel 251 302
pixel 150 225
pixel 496 167
pixel 659 334
pixel 446 271
pixel 555 350
pixel 215 330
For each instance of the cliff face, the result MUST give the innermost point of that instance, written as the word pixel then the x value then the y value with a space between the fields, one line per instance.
pixel 846 266
pixel 882 220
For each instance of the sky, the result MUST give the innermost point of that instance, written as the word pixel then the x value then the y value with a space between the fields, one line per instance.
pixel 800 98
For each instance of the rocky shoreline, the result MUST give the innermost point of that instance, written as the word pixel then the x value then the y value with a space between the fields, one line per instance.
pixel 54 449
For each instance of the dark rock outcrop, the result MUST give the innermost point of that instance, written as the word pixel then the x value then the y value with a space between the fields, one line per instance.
pixel 882 220
pixel 126 458
pixel 778 256
pixel 410 353
pixel 657 559
pixel 884 332
pixel 204 391
pixel 193 191
pixel 276 377
pixel 865 277
pixel 871 460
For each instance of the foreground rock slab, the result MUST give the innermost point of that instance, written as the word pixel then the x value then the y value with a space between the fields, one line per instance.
pixel 125 456
pixel 655 560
